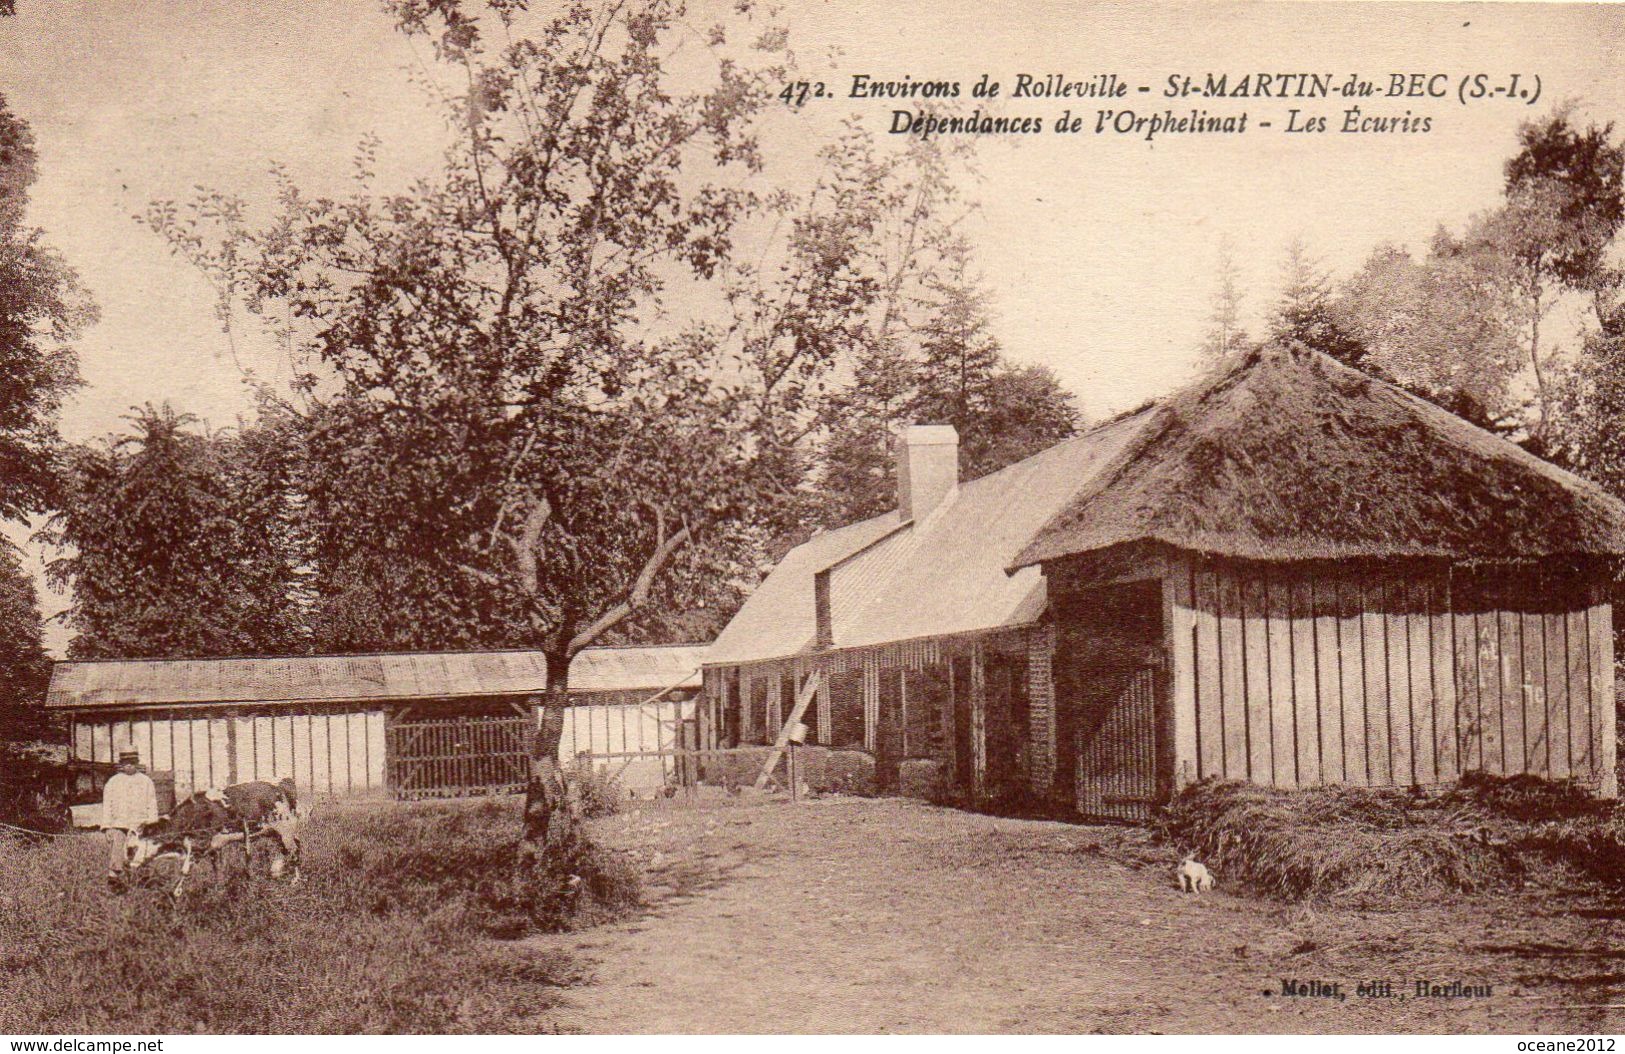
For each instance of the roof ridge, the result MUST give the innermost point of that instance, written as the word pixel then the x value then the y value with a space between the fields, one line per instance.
pixel 1093 432
pixel 370 654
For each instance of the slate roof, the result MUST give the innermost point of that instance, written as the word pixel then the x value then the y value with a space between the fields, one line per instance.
pixel 362 678
pixel 945 574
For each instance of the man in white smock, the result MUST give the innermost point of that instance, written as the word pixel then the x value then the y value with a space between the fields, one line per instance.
pixel 128 800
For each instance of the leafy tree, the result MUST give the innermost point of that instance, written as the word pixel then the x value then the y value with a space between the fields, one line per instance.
pixel 1564 204
pixel 1003 412
pixel 24 667
pixel 42 310
pixel 495 415
pixel 958 376
pixel 174 544
pixel 1576 179
pixel 1438 326
pixel 828 333
pixel 1595 405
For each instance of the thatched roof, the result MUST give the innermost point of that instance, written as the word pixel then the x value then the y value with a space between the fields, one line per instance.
pixel 1289 455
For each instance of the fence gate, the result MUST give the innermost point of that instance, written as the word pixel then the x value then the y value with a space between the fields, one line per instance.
pixel 1117 757
pixel 445 757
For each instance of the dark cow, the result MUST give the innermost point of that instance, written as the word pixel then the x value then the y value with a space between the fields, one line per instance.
pixel 208 821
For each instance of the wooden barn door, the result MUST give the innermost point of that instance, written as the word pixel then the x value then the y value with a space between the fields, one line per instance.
pixel 1109 696
pixel 1117 758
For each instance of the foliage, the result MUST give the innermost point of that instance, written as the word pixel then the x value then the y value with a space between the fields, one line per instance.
pixel 597 792
pixel 1565 191
pixel 1468 325
pixel 954 374
pixel 1439 326
pixel 176 543
pixel 1594 405
pixel 42 310
pixel 24 667
pixel 1564 201
pixel 498 441
pixel 1225 334
pixel 391 933
pixel 1304 313
pixel 33 784
pixel 461 859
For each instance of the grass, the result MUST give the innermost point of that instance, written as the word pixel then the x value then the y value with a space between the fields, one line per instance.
pixel 1358 844
pixel 392 932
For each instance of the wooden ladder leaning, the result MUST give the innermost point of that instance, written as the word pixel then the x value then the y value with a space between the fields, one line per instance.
pixel 809 689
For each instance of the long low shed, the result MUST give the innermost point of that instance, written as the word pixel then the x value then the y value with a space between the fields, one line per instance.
pixel 407 725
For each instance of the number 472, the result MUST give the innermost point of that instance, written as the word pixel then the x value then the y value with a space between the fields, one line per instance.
pixel 797 93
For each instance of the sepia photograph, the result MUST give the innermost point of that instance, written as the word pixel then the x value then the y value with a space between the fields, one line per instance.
pixel 860 517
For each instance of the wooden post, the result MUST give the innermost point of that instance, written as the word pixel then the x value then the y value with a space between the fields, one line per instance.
pixel 978 719
pixel 871 702
pixel 775 702
pixel 826 734
pixel 902 706
pixel 1179 630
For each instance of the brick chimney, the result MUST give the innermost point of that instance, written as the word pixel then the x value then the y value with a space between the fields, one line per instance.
pixel 927 468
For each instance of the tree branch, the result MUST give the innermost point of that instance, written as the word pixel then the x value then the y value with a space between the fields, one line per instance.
pixel 527 546
pixel 637 596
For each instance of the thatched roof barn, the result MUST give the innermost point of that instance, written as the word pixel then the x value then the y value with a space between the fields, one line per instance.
pixel 1290 573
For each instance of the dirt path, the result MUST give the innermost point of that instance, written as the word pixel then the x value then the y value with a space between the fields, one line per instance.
pixel 850 915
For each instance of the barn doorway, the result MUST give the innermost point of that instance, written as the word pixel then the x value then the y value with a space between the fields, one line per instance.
pixel 1109 686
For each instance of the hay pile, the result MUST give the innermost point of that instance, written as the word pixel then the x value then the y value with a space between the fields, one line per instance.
pixel 1352 844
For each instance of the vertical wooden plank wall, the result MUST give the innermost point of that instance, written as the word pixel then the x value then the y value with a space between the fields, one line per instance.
pixel 1179 625
pixel 1305 679
pixel 1294 677
pixel 1232 727
pixel 1208 723
pixel 1256 706
pixel 1328 687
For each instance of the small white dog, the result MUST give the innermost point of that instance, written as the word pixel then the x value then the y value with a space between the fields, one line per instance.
pixel 1194 877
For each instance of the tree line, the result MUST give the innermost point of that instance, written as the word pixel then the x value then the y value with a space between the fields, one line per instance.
pixel 1514 322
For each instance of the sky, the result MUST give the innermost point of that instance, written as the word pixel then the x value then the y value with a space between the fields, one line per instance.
pixel 1099 250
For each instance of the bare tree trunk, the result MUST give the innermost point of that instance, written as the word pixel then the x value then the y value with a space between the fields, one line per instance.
pixel 1534 360
pixel 547 815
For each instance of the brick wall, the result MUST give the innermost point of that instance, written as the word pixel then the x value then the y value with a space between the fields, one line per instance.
pixel 1041 707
